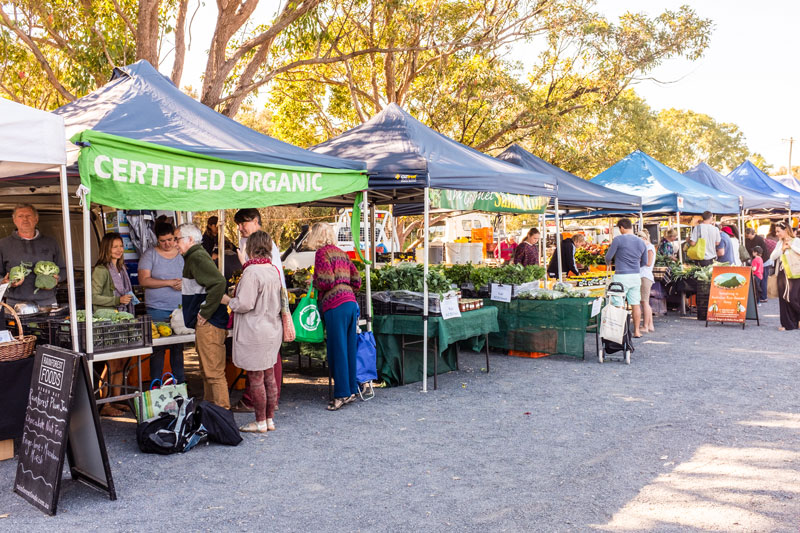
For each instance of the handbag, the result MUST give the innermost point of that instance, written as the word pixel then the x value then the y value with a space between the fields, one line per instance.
pixel 772 286
pixel 307 320
pixel 698 250
pixel 162 399
pixel 286 315
pixel 791 263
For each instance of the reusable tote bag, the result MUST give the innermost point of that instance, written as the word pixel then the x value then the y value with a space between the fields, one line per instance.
pixel 791 260
pixel 612 323
pixel 162 399
pixel 307 320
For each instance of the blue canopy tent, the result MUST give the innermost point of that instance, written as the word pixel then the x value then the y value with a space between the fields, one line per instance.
pixel 752 177
pixel 664 190
pixel 405 158
pixel 750 199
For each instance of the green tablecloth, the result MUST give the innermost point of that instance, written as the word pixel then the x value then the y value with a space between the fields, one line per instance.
pixel 471 327
pixel 547 326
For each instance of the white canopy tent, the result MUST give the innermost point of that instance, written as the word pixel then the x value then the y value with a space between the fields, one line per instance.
pixel 31 141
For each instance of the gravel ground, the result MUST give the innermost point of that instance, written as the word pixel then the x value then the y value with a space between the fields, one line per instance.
pixel 700 432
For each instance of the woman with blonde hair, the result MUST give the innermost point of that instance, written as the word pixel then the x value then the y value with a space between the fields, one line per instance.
pixel 257 329
pixel 788 289
pixel 337 280
pixel 646 273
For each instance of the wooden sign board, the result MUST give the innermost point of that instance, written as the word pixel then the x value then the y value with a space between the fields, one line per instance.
pixel 730 295
pixel 61 419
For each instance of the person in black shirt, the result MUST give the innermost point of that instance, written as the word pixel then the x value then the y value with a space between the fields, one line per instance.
pixel 568 247
pixel 751 240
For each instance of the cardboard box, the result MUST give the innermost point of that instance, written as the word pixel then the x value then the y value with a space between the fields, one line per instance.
pixel 6 449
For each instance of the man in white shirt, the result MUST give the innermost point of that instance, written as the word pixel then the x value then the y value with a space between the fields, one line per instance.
pixel 710 233
pixel 248 222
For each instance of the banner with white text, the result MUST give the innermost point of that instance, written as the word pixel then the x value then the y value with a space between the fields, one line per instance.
pixel 130 174
pixel 493 202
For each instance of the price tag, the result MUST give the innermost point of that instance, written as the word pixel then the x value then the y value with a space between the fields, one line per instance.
pixel 3 288
pixel 449 306
pixel 596 306
pixel 501 293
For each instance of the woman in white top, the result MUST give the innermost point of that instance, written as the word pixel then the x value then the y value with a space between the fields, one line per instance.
pixel 646 272
pixel 788 289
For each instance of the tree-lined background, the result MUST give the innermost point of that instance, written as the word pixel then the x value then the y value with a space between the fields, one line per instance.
pixel 552 75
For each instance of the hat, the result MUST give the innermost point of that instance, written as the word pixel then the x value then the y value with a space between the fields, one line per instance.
pixel 728 230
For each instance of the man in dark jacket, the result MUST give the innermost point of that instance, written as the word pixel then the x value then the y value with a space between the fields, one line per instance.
pixel 202 289
pixel 568 265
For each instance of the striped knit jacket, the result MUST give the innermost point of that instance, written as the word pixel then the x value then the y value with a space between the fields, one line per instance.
pixel 335 277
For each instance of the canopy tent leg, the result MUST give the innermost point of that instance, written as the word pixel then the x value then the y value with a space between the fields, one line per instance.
pixel 367 265
pixel 426 216
pixel 542 238
pixel 641 220
pixel 221 241
pixel 87 281
pixel 73 324
pixel 558 241
pixel 680 243
pixel 373 254
pixel 394 233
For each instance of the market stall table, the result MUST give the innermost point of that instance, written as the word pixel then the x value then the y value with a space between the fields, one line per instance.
pixel 545 326
pixel 391 332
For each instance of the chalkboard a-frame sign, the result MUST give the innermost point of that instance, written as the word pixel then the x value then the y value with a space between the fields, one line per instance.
pixel 61 419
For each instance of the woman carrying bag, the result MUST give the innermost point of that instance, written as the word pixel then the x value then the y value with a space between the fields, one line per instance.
pixel 337 280
pixel 258 329
pixel 787 253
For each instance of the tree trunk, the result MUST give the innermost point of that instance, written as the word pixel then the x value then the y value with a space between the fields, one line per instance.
pixel 147 31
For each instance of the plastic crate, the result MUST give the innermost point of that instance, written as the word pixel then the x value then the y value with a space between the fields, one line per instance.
pixel 108 336
pixel 37 324
pixel 392 308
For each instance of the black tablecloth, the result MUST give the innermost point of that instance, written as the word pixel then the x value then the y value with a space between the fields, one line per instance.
pixel 15 382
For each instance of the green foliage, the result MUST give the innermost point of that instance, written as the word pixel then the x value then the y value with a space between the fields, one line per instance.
pixel 409 277
pixel 18 273
pixel 506 274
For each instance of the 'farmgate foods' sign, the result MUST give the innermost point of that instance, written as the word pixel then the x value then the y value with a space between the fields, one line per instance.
pixel 494 202
pixel 129 174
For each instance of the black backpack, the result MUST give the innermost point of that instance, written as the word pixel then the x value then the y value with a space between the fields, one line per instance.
pixel 166 433
pixel 218 423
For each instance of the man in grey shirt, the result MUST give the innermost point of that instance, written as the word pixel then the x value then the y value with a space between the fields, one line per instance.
pixel 629 254
pixel 708 231
pixel 26 244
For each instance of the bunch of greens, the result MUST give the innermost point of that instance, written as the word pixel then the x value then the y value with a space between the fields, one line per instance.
pixel 703 273
pixel 506 274
pixel 458 274
pixel 409 277
pixel 105 315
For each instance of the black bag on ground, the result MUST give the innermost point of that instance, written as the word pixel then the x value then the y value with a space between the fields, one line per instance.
pixel 166 433
pixel 219 424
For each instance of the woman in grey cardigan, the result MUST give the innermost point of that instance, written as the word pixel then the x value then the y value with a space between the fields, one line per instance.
pixel 257 329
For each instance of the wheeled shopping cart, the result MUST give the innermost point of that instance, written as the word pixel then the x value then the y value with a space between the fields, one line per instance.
pixel 615 296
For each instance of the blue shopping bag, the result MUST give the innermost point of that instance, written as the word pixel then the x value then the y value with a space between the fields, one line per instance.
pixel 366 357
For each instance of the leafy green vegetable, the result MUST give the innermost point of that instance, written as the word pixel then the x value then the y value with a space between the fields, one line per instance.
pixel 18 273
pixel 409 277
pixel 46 268
pixel 45 281
pixel 506 274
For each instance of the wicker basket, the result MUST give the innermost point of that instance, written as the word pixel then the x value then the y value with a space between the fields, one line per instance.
pixel 20 348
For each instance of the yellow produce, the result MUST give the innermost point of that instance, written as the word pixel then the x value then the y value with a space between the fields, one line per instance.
pixel 164 330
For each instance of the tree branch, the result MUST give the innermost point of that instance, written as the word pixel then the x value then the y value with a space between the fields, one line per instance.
pixel 180 43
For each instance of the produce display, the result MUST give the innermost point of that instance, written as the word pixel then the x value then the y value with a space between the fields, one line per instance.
pixel 559 290
pixel 591 279
pixel 409 277
pixel 591 254
pixel 160 329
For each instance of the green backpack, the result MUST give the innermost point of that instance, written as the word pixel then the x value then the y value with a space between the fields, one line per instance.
pixel 307 319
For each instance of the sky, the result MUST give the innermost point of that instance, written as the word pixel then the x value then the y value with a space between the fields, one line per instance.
pixel 748 75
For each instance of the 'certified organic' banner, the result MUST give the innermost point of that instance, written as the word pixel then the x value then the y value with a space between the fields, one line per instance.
pixel 130 174
pixel 493 202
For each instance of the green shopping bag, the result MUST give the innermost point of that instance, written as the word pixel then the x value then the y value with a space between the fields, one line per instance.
pixel 162 399
pixel 307 320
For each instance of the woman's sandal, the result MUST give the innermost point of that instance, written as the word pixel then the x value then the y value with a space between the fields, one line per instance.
pixel 350 399
pixel 270 425
pixel 252 427
pixel 337 404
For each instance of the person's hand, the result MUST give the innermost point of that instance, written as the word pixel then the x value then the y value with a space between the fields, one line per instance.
pixel 225 299
pixel 125 299
pixel 15 284
pixel 176 284
pixel 214 256
pixel 57 277
pixel 200 320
